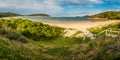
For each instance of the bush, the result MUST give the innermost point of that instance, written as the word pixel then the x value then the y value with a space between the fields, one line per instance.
pixel 102 28
pixel 32 30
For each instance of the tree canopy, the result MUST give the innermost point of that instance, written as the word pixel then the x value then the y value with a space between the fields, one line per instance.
pixel 38 15
pixel 108 15
pixel 8 14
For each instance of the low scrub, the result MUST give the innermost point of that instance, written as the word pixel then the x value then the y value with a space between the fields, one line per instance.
pixel 99 29
pixel 31 30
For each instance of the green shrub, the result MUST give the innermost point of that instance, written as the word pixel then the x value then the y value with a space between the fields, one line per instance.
pixel 32 30
pixel 97 30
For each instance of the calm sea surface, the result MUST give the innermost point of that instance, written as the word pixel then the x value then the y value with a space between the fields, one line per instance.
pixel 55 19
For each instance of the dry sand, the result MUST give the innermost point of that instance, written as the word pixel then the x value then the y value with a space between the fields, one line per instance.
pixel 80 26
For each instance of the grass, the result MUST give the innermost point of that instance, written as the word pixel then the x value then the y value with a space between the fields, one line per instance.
pixel 11 50
pixel 60 49
pixel 76 34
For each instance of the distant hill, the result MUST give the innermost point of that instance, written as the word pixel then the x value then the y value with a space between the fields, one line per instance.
pixel 86 16
pixel 38 15
pixel 8 14
pixel 107 15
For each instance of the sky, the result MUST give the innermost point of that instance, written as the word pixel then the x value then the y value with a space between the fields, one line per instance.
pixel 60 8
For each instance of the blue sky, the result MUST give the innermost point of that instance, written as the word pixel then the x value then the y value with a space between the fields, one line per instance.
pixel 59 7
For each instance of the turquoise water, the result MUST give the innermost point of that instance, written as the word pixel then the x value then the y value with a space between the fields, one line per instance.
pixel 65 19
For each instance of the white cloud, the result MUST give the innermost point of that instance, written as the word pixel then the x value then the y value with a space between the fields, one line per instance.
pixel 45 6
pixel 82 13
pixel 118 8
pixel 37 4
pixel 87 1
pixel 96 1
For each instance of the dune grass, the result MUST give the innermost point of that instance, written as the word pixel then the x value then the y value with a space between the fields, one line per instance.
pixel 65 49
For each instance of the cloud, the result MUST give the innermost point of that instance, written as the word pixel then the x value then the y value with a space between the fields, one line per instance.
pixel 47 6
pixel 118 8
pixel 87 1
pixel 82 13
pixel 42 4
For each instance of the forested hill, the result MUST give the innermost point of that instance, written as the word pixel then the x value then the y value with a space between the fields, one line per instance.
pixel 8 14
pixel 107 15
pixel 38 15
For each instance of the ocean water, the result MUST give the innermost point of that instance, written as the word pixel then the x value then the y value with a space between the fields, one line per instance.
pixel 56 19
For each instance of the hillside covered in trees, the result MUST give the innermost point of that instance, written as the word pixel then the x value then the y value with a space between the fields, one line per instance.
pixel 107 15
pixel 38 15
pixel 8 14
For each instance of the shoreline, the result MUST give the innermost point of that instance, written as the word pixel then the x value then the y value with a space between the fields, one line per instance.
pixel 71 27
pixel 77 25
pixel 82 26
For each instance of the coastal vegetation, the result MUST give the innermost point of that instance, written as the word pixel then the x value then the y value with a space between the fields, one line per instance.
pixel 22 39
pixel 107 15
pixel 33 30
pixel 9 14
pixel 39 15
pixel 96 30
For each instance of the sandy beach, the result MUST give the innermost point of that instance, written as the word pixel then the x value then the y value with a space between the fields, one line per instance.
pixel 82 26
